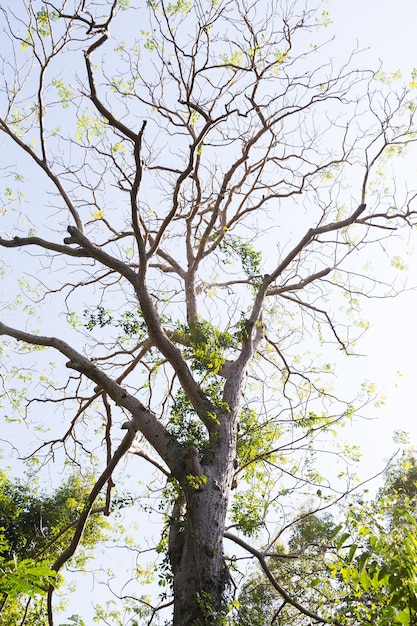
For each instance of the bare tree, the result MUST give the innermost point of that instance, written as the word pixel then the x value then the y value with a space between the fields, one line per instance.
pixel 201 181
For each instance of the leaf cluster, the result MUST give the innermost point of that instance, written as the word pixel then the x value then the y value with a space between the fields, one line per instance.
pixel 26 576
pixel 31 519
pixel 237 247
pixel 362 570
pixel 131 323
pixel 206 346
pixel 185 425
pixel 254 440
pixel 35 527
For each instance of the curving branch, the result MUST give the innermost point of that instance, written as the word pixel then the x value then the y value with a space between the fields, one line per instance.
pixel 18 242
pixel 268 573
pixel 83 519
pixel 143 420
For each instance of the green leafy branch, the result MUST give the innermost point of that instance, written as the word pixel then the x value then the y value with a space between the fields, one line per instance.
pixel 22 577
pixel 250 258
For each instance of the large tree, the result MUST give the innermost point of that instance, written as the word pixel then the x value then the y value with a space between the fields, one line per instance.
pixel 190 188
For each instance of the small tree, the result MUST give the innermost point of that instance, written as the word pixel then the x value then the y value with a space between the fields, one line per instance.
pixel 209 181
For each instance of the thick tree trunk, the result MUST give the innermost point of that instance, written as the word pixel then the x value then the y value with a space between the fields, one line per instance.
pixel 196 532
pixel 197 560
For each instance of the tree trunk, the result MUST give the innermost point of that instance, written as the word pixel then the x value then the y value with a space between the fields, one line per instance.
pixel 196 538
pixel 197 560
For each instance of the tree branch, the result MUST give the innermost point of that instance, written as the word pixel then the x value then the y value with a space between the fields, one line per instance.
pixel 143 420
pixel 83 519
pixel 264 565
pixel 18 242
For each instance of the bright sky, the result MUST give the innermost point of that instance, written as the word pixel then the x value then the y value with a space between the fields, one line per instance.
pixel 388 30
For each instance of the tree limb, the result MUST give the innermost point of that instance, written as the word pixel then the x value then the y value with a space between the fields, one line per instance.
pixel 264 565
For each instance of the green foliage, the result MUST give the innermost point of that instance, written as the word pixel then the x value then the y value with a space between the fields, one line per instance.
pixel 206 345
pixel 89 127
pixel 254 440
pixel 401 481
pixel 377 549
pixel 235 60
pixel 223 141
pixel 312 420
pixel 360 571
pixel 260 604
pixel 196 482
pixel 248 512
pixel 44 17
pixel 131 323
pixel 35 528
pixel 22 577
pixel 181 7
pixel 249 257
pixel 311 532
pixel 65 94
pixel 184 424
pixel 32 519
pixel 257 602
pixel 378 571
pixel 255 450
pixel 100 317
pixel 210 612
pixel 74 620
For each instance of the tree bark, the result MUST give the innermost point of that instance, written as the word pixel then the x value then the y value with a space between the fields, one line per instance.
pixel 197 559
pixel 200 574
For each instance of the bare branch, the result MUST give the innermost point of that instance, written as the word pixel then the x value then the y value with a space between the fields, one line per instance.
pixel 287 597
pixel 143 420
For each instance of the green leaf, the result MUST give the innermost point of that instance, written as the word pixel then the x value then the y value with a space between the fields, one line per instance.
pixel 352 552
pixel 402 617
pixel 341 540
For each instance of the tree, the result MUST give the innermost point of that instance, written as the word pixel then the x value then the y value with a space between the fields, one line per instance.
pixel 358 568
pixel 302 566
pixel 17 579
pixel 170 158
pixel 34 529
pixel 378 568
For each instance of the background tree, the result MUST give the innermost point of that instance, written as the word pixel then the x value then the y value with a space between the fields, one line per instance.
pixel 357 567
pixel 35 528
pixel 24 579
pixel 378 566
pixel 171 154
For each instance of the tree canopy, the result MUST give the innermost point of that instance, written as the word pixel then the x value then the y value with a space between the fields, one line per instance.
pixel 193 193
pixel 359 565
pixel 35 527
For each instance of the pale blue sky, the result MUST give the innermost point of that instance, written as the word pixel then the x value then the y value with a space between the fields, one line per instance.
pixel 387 32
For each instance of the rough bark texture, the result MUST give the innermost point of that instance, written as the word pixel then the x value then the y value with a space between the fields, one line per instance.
pixel 200 573
pixel 197 529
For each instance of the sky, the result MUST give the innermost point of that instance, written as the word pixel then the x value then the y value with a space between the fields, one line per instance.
pixel 387 32
pixel 386 29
